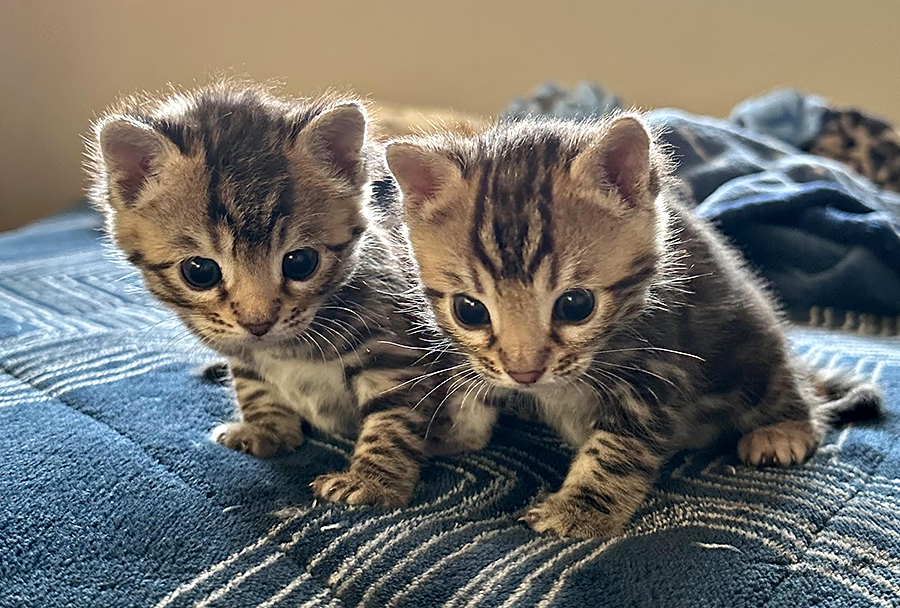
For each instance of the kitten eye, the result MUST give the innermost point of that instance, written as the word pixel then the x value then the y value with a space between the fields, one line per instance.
pixel 201 273
pixel 573 306
pixel 300 264
pixel 470 312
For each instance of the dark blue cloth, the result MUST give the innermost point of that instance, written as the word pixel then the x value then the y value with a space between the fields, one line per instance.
pixel 816 231
pixel 112 493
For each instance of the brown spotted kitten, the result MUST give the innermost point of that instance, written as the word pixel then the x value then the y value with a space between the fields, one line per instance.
pixel 559 259
pixel 264 223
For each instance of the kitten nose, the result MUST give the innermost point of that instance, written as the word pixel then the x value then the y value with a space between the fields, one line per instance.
pixel 258 329
pixel 526 377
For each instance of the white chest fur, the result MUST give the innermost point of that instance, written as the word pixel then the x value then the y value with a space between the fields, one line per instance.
pixel 570 411
pixel 318 391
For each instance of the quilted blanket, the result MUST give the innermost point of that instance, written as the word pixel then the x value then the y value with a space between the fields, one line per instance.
pixel 112 494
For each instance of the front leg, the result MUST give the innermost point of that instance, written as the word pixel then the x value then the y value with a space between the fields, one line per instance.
pixel 267 424
pixel 608 479
pixel 384 468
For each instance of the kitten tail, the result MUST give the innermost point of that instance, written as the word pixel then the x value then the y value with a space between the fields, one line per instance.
pixel 848 398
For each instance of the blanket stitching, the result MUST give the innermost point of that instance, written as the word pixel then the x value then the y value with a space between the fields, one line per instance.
pixel 875 463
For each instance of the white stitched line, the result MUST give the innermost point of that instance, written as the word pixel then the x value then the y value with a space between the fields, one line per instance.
pixel 456 489
pixel 525 585
pixel 859 569
pixel 503 482
pixel 240 578
pixel 839 444
pixel 759 509
pixel 845 582
pixel 857 546
pixel 488 582
pixel 567 572
pixel 129 372
pixel 415 553
pixel 863 522
pixel 767 489
pixel 213 570
pixel 479 461
pixel 316 600
pixel 437 566
pixel 805 475
pixel 717 546
pixel 286 591
pixel 232 584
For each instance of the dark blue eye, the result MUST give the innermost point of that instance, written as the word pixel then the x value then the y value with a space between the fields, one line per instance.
pixel 300 264
pixel 470 312
pixel 574 306
pixel 201 273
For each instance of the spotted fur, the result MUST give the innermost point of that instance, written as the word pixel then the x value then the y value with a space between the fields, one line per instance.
pixel 233 174
pixel 867 143
pixel 681 345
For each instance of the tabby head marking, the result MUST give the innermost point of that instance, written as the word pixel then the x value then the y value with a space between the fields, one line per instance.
pixel 534 241
pixel 242 211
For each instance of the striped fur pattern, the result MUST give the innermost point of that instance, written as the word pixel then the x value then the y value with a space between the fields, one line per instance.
pixel 264 223
pixel 621 320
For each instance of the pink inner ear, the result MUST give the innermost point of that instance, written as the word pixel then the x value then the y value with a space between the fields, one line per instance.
pixel 417 177
pixel 342 150
pixel 130 163
pixel 133 167
pixel 625 163
pixel 624 166
pixel 338 137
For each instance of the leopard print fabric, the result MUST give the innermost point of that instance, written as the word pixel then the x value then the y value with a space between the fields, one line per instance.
pixel 868 144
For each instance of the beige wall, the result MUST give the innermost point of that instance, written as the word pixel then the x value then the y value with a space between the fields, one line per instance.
pixel 61 61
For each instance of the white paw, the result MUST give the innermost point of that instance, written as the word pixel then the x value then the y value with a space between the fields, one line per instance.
pixel 255 440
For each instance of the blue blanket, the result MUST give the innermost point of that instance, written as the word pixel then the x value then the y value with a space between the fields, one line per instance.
pixel 821 235
pixel 112 494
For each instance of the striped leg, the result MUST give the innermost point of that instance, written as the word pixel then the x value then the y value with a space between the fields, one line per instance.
pixel 267 425
pixel 607 481
pixel 384 469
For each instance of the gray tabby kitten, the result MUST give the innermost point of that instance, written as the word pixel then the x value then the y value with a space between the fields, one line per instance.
pixel 558 257
pixel 265 225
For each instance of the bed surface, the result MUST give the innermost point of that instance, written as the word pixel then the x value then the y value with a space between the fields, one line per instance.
pixel 112 493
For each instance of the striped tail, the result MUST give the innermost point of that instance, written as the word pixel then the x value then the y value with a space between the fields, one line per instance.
pixel 847 398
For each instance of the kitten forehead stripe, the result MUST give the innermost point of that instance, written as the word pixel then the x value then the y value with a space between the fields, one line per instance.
pixel 478 223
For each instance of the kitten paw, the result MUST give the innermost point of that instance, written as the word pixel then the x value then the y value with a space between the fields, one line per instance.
pixel 217 372
pixel 255 440
pixel 355 489
pixel 784 443
pixel 558 514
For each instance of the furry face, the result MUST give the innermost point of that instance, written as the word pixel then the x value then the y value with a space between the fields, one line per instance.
pixel 242 215
pixel 532 247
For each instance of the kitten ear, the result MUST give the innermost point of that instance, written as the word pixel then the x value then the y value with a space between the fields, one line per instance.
pixel 421 173
pixel 620 160
pixel 336 136
pixel 129 149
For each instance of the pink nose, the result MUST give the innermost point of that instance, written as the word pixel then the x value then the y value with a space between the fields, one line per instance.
pixel 526 377
pixel 258 329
